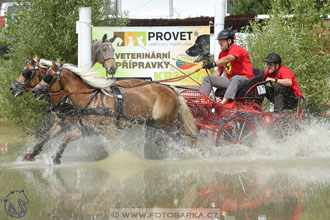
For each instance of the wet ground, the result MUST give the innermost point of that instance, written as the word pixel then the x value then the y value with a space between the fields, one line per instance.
pixel 287 180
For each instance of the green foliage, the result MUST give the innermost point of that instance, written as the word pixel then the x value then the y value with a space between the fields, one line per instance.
pixel 250 6
pixel 298 41
pixel 263 6
pixel 46 29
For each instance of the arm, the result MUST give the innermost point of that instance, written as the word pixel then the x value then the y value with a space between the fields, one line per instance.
pixel 283 82
pixel 217 72
pixel 224 60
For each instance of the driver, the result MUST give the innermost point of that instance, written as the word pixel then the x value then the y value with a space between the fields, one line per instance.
pixel 235 61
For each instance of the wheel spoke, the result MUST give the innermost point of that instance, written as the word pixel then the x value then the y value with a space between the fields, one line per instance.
pixel 227 132
pixel 247 135
pixel 241 182
pixel 242 129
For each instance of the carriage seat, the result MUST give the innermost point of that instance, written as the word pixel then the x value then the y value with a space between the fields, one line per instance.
pixel 251 85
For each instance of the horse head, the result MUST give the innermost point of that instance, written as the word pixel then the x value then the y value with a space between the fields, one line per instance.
pixel 29 78
pixel 51 82
pixel 103 52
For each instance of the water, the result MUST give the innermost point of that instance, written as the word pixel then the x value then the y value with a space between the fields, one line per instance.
pixel 105 180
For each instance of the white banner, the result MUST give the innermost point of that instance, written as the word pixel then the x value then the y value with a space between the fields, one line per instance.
pixel 157 53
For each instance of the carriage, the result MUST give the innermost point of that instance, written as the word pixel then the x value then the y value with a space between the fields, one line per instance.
pixel 232 124
pixel 238 122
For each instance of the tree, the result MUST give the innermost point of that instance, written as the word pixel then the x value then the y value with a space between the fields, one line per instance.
pixel 46 29
pixel 301 41
pixel 249 6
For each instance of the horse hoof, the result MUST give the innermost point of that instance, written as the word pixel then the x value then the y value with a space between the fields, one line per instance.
pixel 56 161
pixel 29 157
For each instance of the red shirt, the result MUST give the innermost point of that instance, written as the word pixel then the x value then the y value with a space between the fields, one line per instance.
pixel 285 73
pixel 241 66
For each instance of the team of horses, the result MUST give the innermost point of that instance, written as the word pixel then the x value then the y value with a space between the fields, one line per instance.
pixel 101 105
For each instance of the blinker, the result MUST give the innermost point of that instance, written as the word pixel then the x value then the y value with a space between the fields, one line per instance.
pixel 47 78
pixel 26 73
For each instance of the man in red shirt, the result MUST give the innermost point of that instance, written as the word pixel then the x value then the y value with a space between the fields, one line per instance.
pixel 285 91
pixel 235 61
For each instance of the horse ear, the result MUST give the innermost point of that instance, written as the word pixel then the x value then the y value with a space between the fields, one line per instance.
pixel 113 38
pixel 58 60
pixel 54 64
pixel 32 60
pixel 104 38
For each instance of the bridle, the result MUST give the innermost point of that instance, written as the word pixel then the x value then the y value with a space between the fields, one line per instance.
pixel 100 52
pixel 50 79
pixel 28 75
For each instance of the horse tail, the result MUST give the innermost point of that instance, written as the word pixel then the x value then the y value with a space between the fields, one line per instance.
pixel 185 115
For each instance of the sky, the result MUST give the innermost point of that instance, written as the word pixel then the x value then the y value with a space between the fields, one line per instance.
pixel 160 8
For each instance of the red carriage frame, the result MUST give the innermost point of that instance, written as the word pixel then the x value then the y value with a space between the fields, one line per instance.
pixel 237 122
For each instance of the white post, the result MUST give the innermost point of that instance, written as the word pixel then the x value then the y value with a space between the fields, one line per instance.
pixel 219 24
pixel 84 31
pixel 170 8
pixel 119 6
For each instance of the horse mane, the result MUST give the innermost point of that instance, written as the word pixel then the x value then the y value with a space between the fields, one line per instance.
pixel 44 63
pixel 89 76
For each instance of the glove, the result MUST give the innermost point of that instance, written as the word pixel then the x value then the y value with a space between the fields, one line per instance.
pixel 208 65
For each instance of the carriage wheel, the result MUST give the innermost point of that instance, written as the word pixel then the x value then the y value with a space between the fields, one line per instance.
pixel 286 127
pixel 236 131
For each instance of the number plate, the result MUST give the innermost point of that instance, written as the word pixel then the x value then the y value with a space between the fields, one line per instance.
pixel 261 89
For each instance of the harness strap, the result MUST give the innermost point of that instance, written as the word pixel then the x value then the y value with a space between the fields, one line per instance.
pixel 101 99
pixel 37 69
pixel 118 103
pixel 54 107
pixel 58 75
pixel 95 93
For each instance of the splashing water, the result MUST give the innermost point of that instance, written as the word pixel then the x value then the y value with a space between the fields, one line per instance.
pixel 311 143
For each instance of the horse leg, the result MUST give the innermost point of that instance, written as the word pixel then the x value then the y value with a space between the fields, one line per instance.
pixel 70 137
pixel 155 143
pixel 54 131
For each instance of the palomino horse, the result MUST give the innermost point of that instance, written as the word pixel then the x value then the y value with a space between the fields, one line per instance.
pixel 31 75
pixel 35 70
pixel 150 103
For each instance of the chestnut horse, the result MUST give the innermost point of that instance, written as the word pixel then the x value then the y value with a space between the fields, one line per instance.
pixel 149 103
pixel 31 75
pixel 35 70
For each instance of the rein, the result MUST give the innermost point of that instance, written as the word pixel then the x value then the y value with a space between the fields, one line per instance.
pixel 71 93
pixel 174 68
pixel 159 81
pixel 181 77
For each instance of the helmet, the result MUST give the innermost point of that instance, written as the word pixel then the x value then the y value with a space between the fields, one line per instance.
pixel 273 58
pixel 226 34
